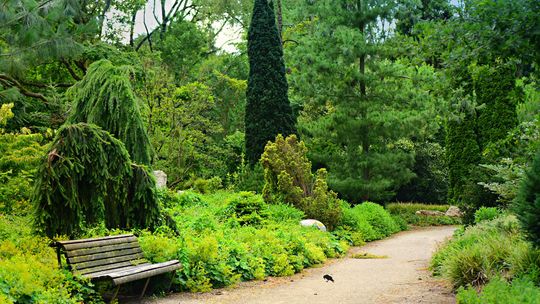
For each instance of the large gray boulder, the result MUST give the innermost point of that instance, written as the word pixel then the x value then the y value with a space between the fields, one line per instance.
pixel 161 179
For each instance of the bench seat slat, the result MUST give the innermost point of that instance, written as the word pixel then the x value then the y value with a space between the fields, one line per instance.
pixel 103 255
pixel 88 251
pixel 98 243
pixel 108 267
pixel 119 272
pixel 104 273
pixel 91 264
pixel 95 239
pixel 145 272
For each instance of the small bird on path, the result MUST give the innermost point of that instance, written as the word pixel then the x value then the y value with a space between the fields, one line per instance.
pixel 327 278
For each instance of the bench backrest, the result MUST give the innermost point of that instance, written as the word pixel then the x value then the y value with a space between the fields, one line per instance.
pixel 88 256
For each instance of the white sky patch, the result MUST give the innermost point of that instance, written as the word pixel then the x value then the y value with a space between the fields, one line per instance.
pixel 225 40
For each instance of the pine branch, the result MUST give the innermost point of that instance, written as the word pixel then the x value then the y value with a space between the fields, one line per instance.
pixel 70 70
pixel 10 81
pixel 44 85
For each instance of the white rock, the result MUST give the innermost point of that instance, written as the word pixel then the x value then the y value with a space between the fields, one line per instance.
pixel 161 179
pixel 313 223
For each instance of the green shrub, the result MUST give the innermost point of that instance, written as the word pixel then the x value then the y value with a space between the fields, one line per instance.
pixel 498 291
pixel 247 208
pixel 205 186
pixel 371 220
pixel 188 198
pixel 247 178
pixel 527 203
pixel 288 178
pixel 323 204
pixel 284 213
pixel 486 214
pixel 19 158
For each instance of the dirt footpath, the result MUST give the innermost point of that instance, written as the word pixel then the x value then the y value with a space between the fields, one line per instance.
pixel 401 278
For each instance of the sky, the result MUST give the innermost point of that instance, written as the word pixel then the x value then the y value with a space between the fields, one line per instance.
pixel 225 40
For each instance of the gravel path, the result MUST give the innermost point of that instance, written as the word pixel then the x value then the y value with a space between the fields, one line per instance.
pixel 401 278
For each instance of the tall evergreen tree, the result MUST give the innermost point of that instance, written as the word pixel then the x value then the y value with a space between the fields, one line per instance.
pixel 462 150
pixel 105 97
pixel 527 203
pixel 268 111
pixel 494 86
pixel 358 104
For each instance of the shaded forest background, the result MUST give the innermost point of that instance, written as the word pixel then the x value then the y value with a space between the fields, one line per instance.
pixel 429 101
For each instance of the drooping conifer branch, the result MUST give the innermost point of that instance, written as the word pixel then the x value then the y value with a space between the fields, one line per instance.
pixel 86 178
pixel 105 97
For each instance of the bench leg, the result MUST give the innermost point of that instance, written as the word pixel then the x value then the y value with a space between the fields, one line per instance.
pixel 144 289
pixel 115 294
pixel 170 283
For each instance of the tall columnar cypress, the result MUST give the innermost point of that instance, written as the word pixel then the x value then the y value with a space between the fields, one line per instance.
pixel 268 111
pixel 463 153
pixel 494 86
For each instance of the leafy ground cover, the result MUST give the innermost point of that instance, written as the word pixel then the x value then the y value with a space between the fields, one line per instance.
pixel 407 211
pixel 220 238
pixel 492 257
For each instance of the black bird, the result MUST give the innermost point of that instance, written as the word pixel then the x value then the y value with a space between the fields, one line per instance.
pixel 327 277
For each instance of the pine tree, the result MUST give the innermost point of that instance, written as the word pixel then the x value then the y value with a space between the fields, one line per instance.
pixel 359 105
pixel 527 203
pixel 268 111
pixel 104 97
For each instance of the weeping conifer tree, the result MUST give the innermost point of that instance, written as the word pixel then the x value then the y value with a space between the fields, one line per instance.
pixel 88 177
pixel 104 97
pixel 268 111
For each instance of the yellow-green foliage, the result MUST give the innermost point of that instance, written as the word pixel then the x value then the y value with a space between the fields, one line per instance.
pixel 29 270
pixel 371 220
pixel 288 179
pixel 19 158
pixel 287 171
pixel 217 249
pixel 499 291
pixel 5 113
pixel 323 204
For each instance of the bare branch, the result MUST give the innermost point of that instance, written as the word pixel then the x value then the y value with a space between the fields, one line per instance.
pixel 70 70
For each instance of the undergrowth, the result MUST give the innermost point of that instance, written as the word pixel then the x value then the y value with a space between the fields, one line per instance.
pixel 220 239
pixel 407 211
pixel 494 257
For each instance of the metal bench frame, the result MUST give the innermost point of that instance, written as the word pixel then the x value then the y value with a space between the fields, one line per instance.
pixel 118 258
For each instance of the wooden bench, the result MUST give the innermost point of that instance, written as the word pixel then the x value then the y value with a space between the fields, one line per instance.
pixel 118 258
